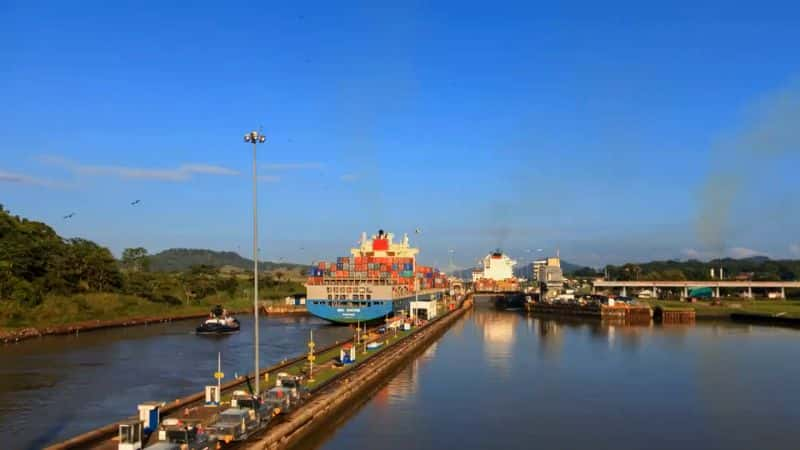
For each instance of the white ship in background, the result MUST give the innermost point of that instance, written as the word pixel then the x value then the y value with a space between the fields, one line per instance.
pixel 497 274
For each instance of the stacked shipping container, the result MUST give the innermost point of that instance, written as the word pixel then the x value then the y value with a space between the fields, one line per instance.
pixel 393 270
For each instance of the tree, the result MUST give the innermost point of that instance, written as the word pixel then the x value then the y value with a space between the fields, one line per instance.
pixel 630 272
pixel 93 267
pixel 135 259
pixel 585 272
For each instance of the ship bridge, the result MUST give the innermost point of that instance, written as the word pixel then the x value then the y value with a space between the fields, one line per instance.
pixel 383 245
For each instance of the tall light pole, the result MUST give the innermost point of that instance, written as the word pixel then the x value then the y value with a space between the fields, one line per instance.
pixel 418 232
pixel 255 138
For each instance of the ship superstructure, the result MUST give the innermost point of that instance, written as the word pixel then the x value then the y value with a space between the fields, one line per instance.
pixel 496 275
pixel 378 279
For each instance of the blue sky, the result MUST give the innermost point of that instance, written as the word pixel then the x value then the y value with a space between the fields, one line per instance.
pixel 612 132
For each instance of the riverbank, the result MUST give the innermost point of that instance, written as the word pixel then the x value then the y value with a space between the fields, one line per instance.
pixel 723 310
pixel 21 334
pixel 82 313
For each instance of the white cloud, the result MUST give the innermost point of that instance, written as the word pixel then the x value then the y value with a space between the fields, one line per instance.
pixel 742 252
pixel 349 177
pixel 691 253
pixel 293 166
pixel 269 178
pixel 183 172
pixel 794 249
pixel 19 178
pixel 208 169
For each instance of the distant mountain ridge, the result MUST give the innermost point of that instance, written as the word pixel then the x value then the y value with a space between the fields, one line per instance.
pixel 179 259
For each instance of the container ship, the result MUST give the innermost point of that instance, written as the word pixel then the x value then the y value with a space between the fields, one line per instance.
pixel 497 274
pixel 378 280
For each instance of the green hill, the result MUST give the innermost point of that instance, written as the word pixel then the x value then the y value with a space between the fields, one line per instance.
pixel 47 280
pixel 35 261
pixel 758 268
pixel 180 259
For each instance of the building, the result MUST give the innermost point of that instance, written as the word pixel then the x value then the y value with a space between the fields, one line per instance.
pixel 550 275
pixel 536 266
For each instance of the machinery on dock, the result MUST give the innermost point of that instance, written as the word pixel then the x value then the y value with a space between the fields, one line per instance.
pixel 293 385
pixel 379 279
pixel 279 400
pixel 219 322
pixel 235 424
pixel 184 435
pixel 250 402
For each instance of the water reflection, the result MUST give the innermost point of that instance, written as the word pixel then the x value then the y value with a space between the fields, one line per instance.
pixel 506 380
pixel 498 338
pixel 404 385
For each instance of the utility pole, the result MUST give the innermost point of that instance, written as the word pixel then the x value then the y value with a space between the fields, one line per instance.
pixel 255 138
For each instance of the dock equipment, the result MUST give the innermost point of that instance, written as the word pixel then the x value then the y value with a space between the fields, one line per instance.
pixel 234 424
pixel 130 435
pixel 149 413
pixel 347 355
pixel 212 396
pixel 188 434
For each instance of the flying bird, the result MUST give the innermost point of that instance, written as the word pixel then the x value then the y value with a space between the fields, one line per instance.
pixel 135 202
pixel 69 216
pixel 418 231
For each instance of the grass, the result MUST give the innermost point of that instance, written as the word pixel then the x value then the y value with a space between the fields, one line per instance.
pixel 323 368
pixel 791 308
pixel 65 310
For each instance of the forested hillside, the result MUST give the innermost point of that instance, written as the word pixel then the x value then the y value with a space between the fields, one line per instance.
pixel 35 261
pixel 45 278
pixel 758 268
pixel 176 259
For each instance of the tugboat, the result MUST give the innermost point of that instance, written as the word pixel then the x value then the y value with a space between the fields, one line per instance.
pixel 219 322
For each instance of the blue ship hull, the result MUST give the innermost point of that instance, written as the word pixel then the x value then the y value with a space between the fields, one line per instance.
pixel 352 311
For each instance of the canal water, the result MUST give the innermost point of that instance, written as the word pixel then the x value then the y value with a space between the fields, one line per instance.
pixel 56 387
pixel 500 379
